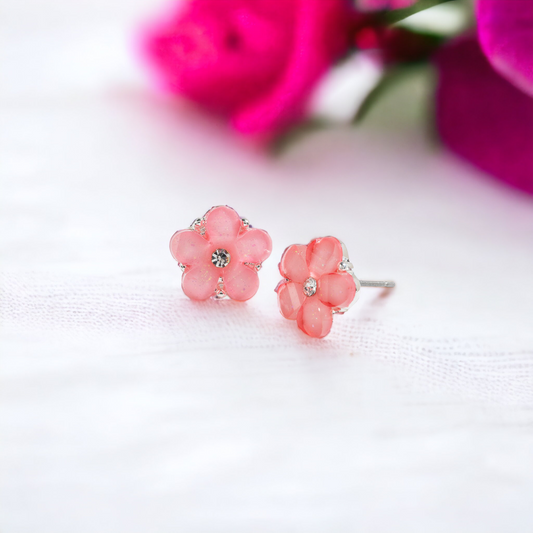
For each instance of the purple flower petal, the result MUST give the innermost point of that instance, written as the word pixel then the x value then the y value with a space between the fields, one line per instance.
pixel 482 117
pixel 378 5
pixel 505 30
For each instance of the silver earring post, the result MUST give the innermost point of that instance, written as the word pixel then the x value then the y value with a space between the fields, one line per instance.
pixel 385 284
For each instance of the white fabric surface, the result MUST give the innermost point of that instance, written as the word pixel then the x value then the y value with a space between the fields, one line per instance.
pixel 127 408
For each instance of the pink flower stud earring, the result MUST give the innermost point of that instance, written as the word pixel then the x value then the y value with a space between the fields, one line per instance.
pixel 319 282
pixel 220 255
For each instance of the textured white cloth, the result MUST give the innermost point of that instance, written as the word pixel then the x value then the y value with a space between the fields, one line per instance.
pixel 128 408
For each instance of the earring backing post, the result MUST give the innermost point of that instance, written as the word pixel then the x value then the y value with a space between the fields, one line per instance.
pixel 385 284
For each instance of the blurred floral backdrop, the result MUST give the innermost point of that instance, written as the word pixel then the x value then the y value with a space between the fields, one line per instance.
pixel 260 65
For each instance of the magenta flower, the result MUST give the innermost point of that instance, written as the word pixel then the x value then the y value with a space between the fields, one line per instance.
pixel 484 105
pixel 505 29
pixel 482 117
pixel 314 285
pixel 254 62
pixel 220 252
pixel 379 5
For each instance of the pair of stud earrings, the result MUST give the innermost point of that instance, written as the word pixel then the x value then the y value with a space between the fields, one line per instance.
pixel 221 253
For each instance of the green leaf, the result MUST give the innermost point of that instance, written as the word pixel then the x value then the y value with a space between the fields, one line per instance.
pixel 389 80
pixel 283 142
pixel 391 17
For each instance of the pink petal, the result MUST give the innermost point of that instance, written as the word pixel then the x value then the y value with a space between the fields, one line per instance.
pixel 323 256
pixel 293 264
pixel 372 5
pixel 222 225
pixel 221 53
pixel 254 246
pixel 200 281
pixel 336 290
pixel 378 5
pixel 188 247
pixel 320 37
pixel 315 318
pixel 482 117
pixel 241 282
pixel 290 298
pixel 505 30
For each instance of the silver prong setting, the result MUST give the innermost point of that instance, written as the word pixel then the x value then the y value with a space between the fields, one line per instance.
pixel 220 291
pixel 254 266
pixel 346 266
pixel 198 224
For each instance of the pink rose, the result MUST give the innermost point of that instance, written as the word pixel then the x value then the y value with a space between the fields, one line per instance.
pixel 253 61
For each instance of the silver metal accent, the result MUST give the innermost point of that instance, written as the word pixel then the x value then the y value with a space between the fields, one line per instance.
pixel 182 267
pixel 220 258
pixel 345 265
pixel 256 266
pixel 198 224
pixel 385 284
pixel 220 291
pixel 245 222
pixel 310 286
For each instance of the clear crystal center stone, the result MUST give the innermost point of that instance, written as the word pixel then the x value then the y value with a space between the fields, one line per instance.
pixel 220 258
pixel 310 287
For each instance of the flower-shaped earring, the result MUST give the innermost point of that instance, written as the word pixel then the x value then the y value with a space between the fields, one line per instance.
pixel 319 282
pixel 220 255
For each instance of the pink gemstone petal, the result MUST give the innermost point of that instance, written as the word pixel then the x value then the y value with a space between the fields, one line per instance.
pixel 200 281
pixel 254 246
pixel 188 247
pixel 336 290
pixel 323 256
pixel 290 299
pixel 293 263
pixel 222 224
pixel 315 318
pixel 241 282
